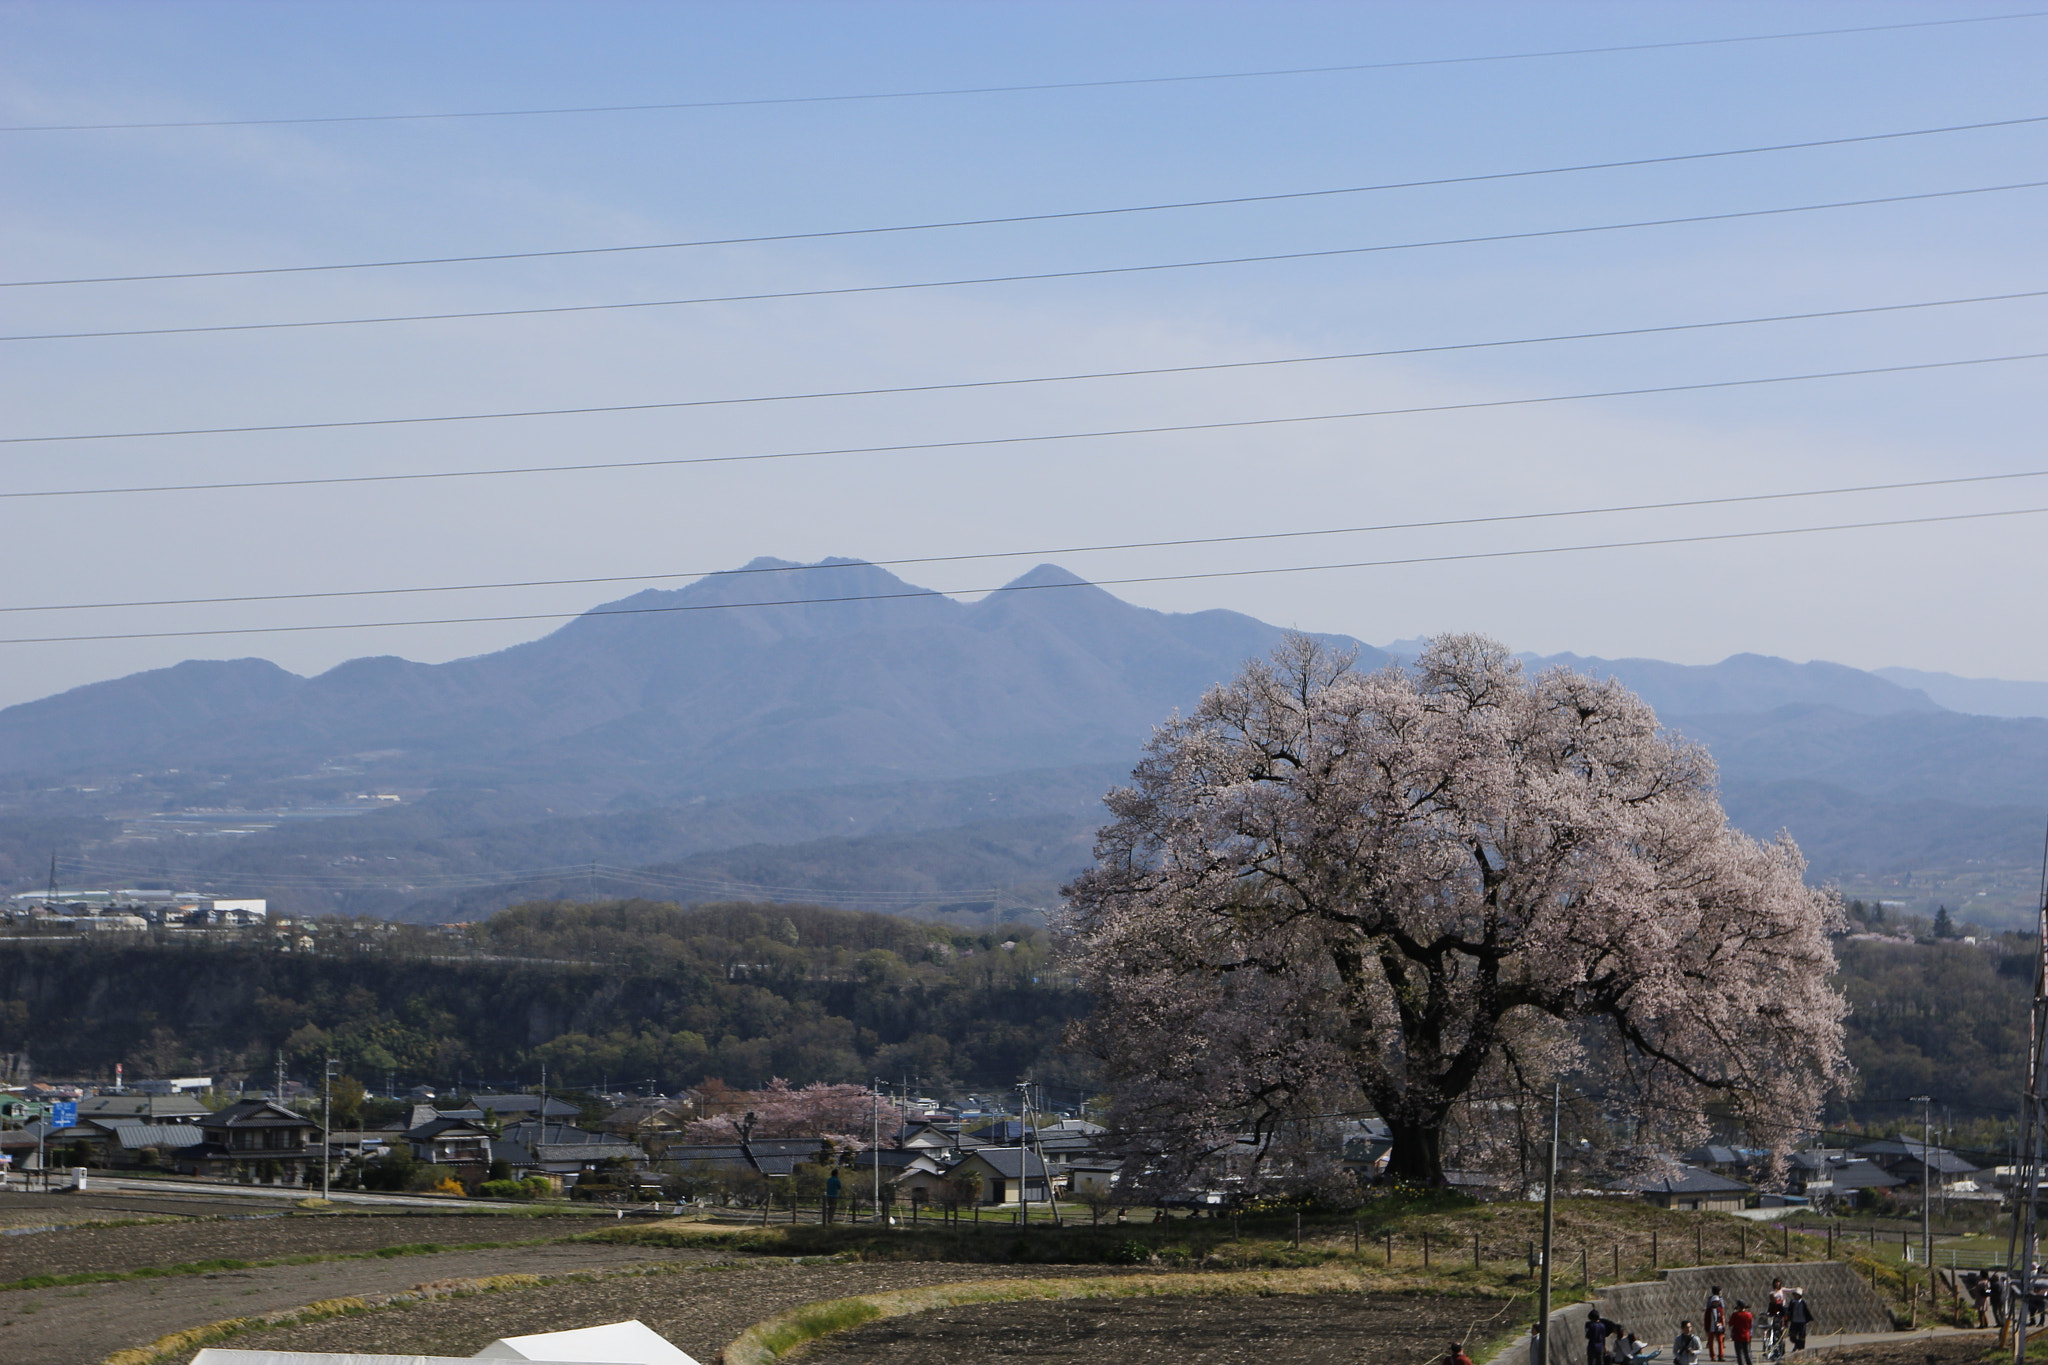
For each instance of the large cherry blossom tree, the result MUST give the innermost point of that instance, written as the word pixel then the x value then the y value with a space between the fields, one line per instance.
pixel 1434 885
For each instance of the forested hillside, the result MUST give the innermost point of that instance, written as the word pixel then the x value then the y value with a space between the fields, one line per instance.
pixel 636 991
pixel 632 991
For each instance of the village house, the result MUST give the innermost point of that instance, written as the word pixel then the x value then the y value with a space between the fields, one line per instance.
pixel 1688 1187
pixel 560 1151
pixel 1008 1174
pixel 256 1141
pixel 459 1144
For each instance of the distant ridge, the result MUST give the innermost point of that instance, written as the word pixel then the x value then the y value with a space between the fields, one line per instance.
pixel 1977 696
pixel 831 673
pixel 834 728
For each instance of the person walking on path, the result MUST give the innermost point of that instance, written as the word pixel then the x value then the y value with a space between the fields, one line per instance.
pixel 1685 1347
pixel 1596 1339
pixel 1980 1298
pixel 1799 1317
pixel 1715 1321
pixel 1740 1324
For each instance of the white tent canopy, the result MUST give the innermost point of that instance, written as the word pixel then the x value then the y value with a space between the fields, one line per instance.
pixel 615 1343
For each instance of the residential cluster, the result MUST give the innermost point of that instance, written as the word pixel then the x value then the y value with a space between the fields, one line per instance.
pixel 1830 1179
pixel 131 908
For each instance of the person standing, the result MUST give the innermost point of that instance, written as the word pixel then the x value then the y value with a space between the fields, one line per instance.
pixel 1798 1317
pixel 1740 1324
pixel 1980 1298
pixel 1685 1347
pixel 1596 1339
pixel 1456 1355
pixel 1715 1321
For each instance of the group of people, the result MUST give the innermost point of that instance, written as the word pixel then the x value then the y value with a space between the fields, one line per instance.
pixel 2000 1297
pixel 1787 1319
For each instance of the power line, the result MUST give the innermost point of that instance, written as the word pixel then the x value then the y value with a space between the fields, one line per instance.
pixel 1038 276
pixel 908 447
pixel 1024 89
pixel 1031 587
pixel 1439 524
pixel 1039 217
pixel 927 388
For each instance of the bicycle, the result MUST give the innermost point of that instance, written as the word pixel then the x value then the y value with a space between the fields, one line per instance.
pixel 1774 1340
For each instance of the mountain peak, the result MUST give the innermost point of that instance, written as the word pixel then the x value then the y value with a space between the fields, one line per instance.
pixel 1047 576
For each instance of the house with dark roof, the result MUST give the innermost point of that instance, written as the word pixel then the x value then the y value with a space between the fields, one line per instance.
pixel 1008 1174
pixel 771 1157
pixel 147 1108
pixel 1002 1132
pixel 1686 1187
pixel 459 1143
pixel 514 1108
pixel 1916 1163
pixel 560 1149
pixel 258 1141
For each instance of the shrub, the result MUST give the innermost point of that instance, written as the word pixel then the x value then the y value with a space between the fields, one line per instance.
pixel 448 1184
pixel 505 1189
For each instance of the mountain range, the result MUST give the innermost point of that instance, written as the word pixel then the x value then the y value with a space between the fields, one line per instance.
pixel 832 732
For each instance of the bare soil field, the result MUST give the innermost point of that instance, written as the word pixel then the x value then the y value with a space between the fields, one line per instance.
pixel 76 1325
pixel 79 1250
pixel 1319 1329
pixel 38 1210
pixel 700 1309
pixel 1913 1350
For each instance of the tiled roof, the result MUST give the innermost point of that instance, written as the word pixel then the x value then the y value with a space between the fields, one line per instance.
pixel 1685 1180
pixel 1009 1162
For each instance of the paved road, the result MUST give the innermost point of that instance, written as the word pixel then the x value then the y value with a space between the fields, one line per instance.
pixel 285 1194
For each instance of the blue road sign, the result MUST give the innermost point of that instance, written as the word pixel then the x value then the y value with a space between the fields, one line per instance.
pixel 64 1114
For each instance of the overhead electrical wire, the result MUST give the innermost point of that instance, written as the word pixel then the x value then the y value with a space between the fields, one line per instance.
pixel 1012 219
pixel 954 92
pixel 1439 524
pixel 994 383
pixel 1032 587
pixel 1039 276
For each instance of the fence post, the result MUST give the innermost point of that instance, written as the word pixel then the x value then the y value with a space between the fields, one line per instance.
pixel 1617 1263
pixel 1653 1248
pixel 1356 1233
pixel 1584 1277
pixel 1297 1229
pixel 1475 1251
pixel 1390 1248
pixel 1425 1251
pixel 1699 1239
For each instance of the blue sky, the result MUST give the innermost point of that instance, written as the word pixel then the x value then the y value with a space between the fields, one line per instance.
pixel 1960 597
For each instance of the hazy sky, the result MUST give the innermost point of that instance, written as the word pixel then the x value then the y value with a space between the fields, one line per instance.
pixel 1963 597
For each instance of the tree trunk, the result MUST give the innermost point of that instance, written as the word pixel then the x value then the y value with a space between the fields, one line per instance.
pixel 1417 1157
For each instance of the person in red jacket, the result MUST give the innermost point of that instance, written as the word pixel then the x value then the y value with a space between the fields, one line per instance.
pixel 1741 1323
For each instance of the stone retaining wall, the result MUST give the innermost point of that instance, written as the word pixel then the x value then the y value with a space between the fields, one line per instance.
pixel 1840 1299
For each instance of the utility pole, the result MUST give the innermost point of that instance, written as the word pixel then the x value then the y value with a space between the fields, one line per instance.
pixel 327 1129
pixel 2025 1249
pixel 278 1094
pixel 1549 1227
pixel 876 1096
pixel 1926 1103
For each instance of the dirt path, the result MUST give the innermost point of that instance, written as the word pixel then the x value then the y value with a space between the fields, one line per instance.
pixel 699 1310
pixel 83 1249
pixel 82 1324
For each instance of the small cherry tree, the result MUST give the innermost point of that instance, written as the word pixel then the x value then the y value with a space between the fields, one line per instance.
pixel 845 1114
pixel 1422 886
